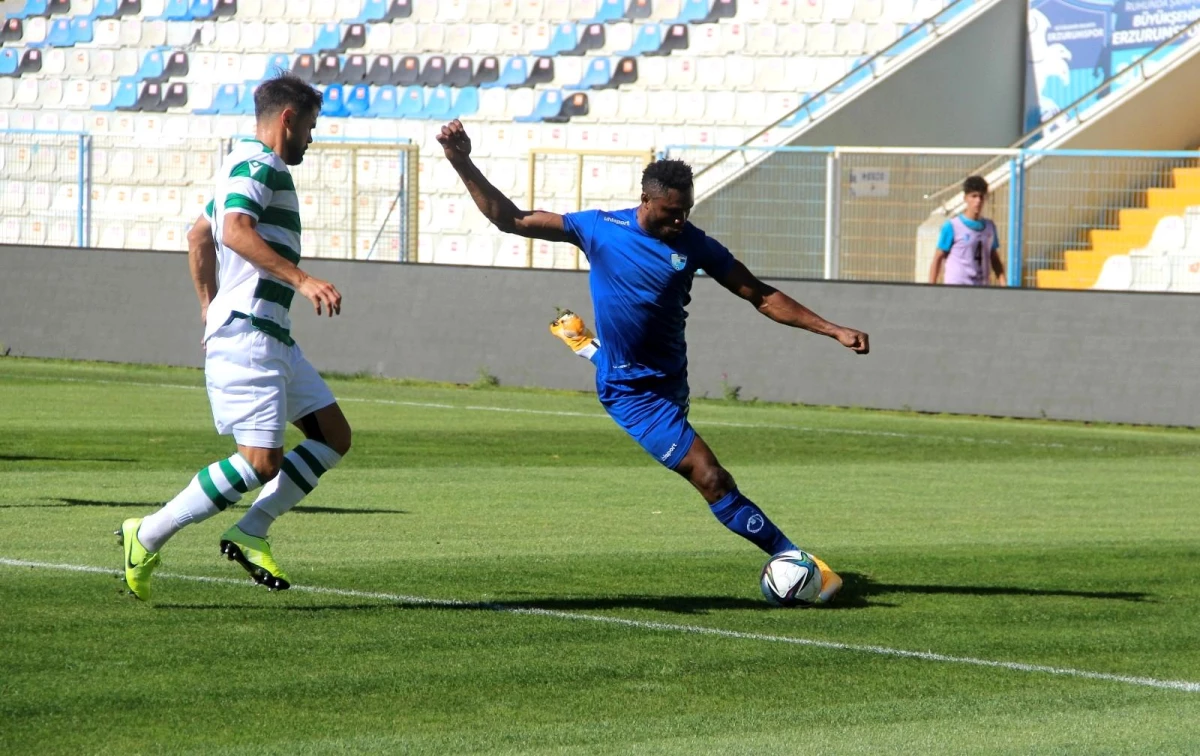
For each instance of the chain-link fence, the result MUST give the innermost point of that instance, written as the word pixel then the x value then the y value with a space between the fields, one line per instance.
pixel 43 189
pixel 874 214
pixel 357 200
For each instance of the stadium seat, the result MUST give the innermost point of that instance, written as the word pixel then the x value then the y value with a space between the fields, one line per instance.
pixel 329 70
pixel 229 9
pixel 461 72
pixel 466 103
pixel 372 10
pixel 549 105
pixel 408 71
pixel 516 70
pixel 565 38
pixel 177 10
pixel 334 105
pixel 355 70
pixel 132 8
pixel 32 8
pixel 9 61
pixel 412 102
pixel 60 34
pixel 10 228
pixel 398 10
pixel 648 40
pixel 608 11
pixel 200 10
pixel 693 11
pixel 638 9
pixel 304 67
pixel 434 72
pixel 358 102
pixel 384 104
pixel 151 68
pixel 354 38
pixel 328 39
pixel 11 31
pixel 598 75
pixel 439 104
pixel 224 102
pixel 541 73
pixel 125 96
pixel 175 95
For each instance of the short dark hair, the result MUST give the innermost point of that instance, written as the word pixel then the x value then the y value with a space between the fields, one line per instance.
pixel 662 175
pixel 285 91
pixel 975 184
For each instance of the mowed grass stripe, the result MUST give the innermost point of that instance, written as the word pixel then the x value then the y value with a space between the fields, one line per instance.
pixel 1149 682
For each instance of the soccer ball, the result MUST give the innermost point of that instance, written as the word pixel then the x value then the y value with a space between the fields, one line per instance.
pixel 791 579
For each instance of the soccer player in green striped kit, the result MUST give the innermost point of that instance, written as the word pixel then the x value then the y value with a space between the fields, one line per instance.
pixel 258 379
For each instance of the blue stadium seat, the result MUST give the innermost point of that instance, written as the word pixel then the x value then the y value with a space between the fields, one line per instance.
pixel 691 12
pixel 329 37
pixel 104 9
pixel 59 35
pixel 358 102
pixel 201 9
pixel 549 105
pixel 439 104
pixel 467 102
pixel 373 10
pixel 412 102
pixel 649 38
pixel 245 103
pixel 597 76
pixel 516 71
pixel 276 65
pixel 125 97
pixel 566 36
pixel 81 30
pixel 335 102
pixel 610 11
pixel 152 66
pixel 32 8
pixel 9 60
pixel 385 104
pixel 224 102
pixel 177 10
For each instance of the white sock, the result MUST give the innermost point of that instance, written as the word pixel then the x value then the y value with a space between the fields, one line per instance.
pixel 299 474
pixel 214 488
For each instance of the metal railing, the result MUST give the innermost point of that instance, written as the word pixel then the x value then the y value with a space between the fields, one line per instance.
pixel 863 73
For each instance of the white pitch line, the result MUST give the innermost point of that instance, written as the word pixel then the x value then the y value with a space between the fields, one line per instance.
pixel 602 416
pixel 1145 682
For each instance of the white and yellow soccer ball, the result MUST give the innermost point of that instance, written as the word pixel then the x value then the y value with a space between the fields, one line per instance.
pixel 791 578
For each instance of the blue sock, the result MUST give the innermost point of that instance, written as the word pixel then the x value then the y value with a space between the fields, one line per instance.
pixel 743 517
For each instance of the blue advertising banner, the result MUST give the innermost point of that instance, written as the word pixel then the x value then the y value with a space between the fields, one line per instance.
pixel 1075 45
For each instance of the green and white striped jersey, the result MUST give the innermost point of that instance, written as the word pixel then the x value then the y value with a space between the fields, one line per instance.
pixel 255 181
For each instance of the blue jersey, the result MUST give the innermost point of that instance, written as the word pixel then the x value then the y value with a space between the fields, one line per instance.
pixel 640 286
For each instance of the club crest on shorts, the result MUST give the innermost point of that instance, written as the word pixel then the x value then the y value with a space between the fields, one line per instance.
pixel 678 261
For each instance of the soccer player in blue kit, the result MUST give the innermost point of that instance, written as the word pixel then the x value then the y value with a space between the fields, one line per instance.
pixel 643 260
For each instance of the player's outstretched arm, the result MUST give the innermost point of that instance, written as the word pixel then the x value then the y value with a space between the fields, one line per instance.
pixel 498 209
pixel 202 262
pixel 783 309
pixel 240 234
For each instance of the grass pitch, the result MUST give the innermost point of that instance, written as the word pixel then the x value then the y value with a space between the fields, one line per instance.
pixel 579 566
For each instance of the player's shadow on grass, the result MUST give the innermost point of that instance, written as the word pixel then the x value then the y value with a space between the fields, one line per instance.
pixel 58 502
pixel 859 591
pixel 38 458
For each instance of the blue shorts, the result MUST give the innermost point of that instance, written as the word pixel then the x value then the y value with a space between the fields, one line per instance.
pixel 654 412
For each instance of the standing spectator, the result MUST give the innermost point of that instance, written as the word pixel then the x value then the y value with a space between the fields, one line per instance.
pixel 968 244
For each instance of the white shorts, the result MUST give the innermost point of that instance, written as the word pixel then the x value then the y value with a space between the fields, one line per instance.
pixel 257 385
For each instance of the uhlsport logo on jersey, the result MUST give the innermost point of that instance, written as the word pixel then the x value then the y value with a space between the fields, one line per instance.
pixel 678 261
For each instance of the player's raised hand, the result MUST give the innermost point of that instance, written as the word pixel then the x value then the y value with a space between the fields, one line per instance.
pixel 852 339
pixel 322 294
pixel 454 141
